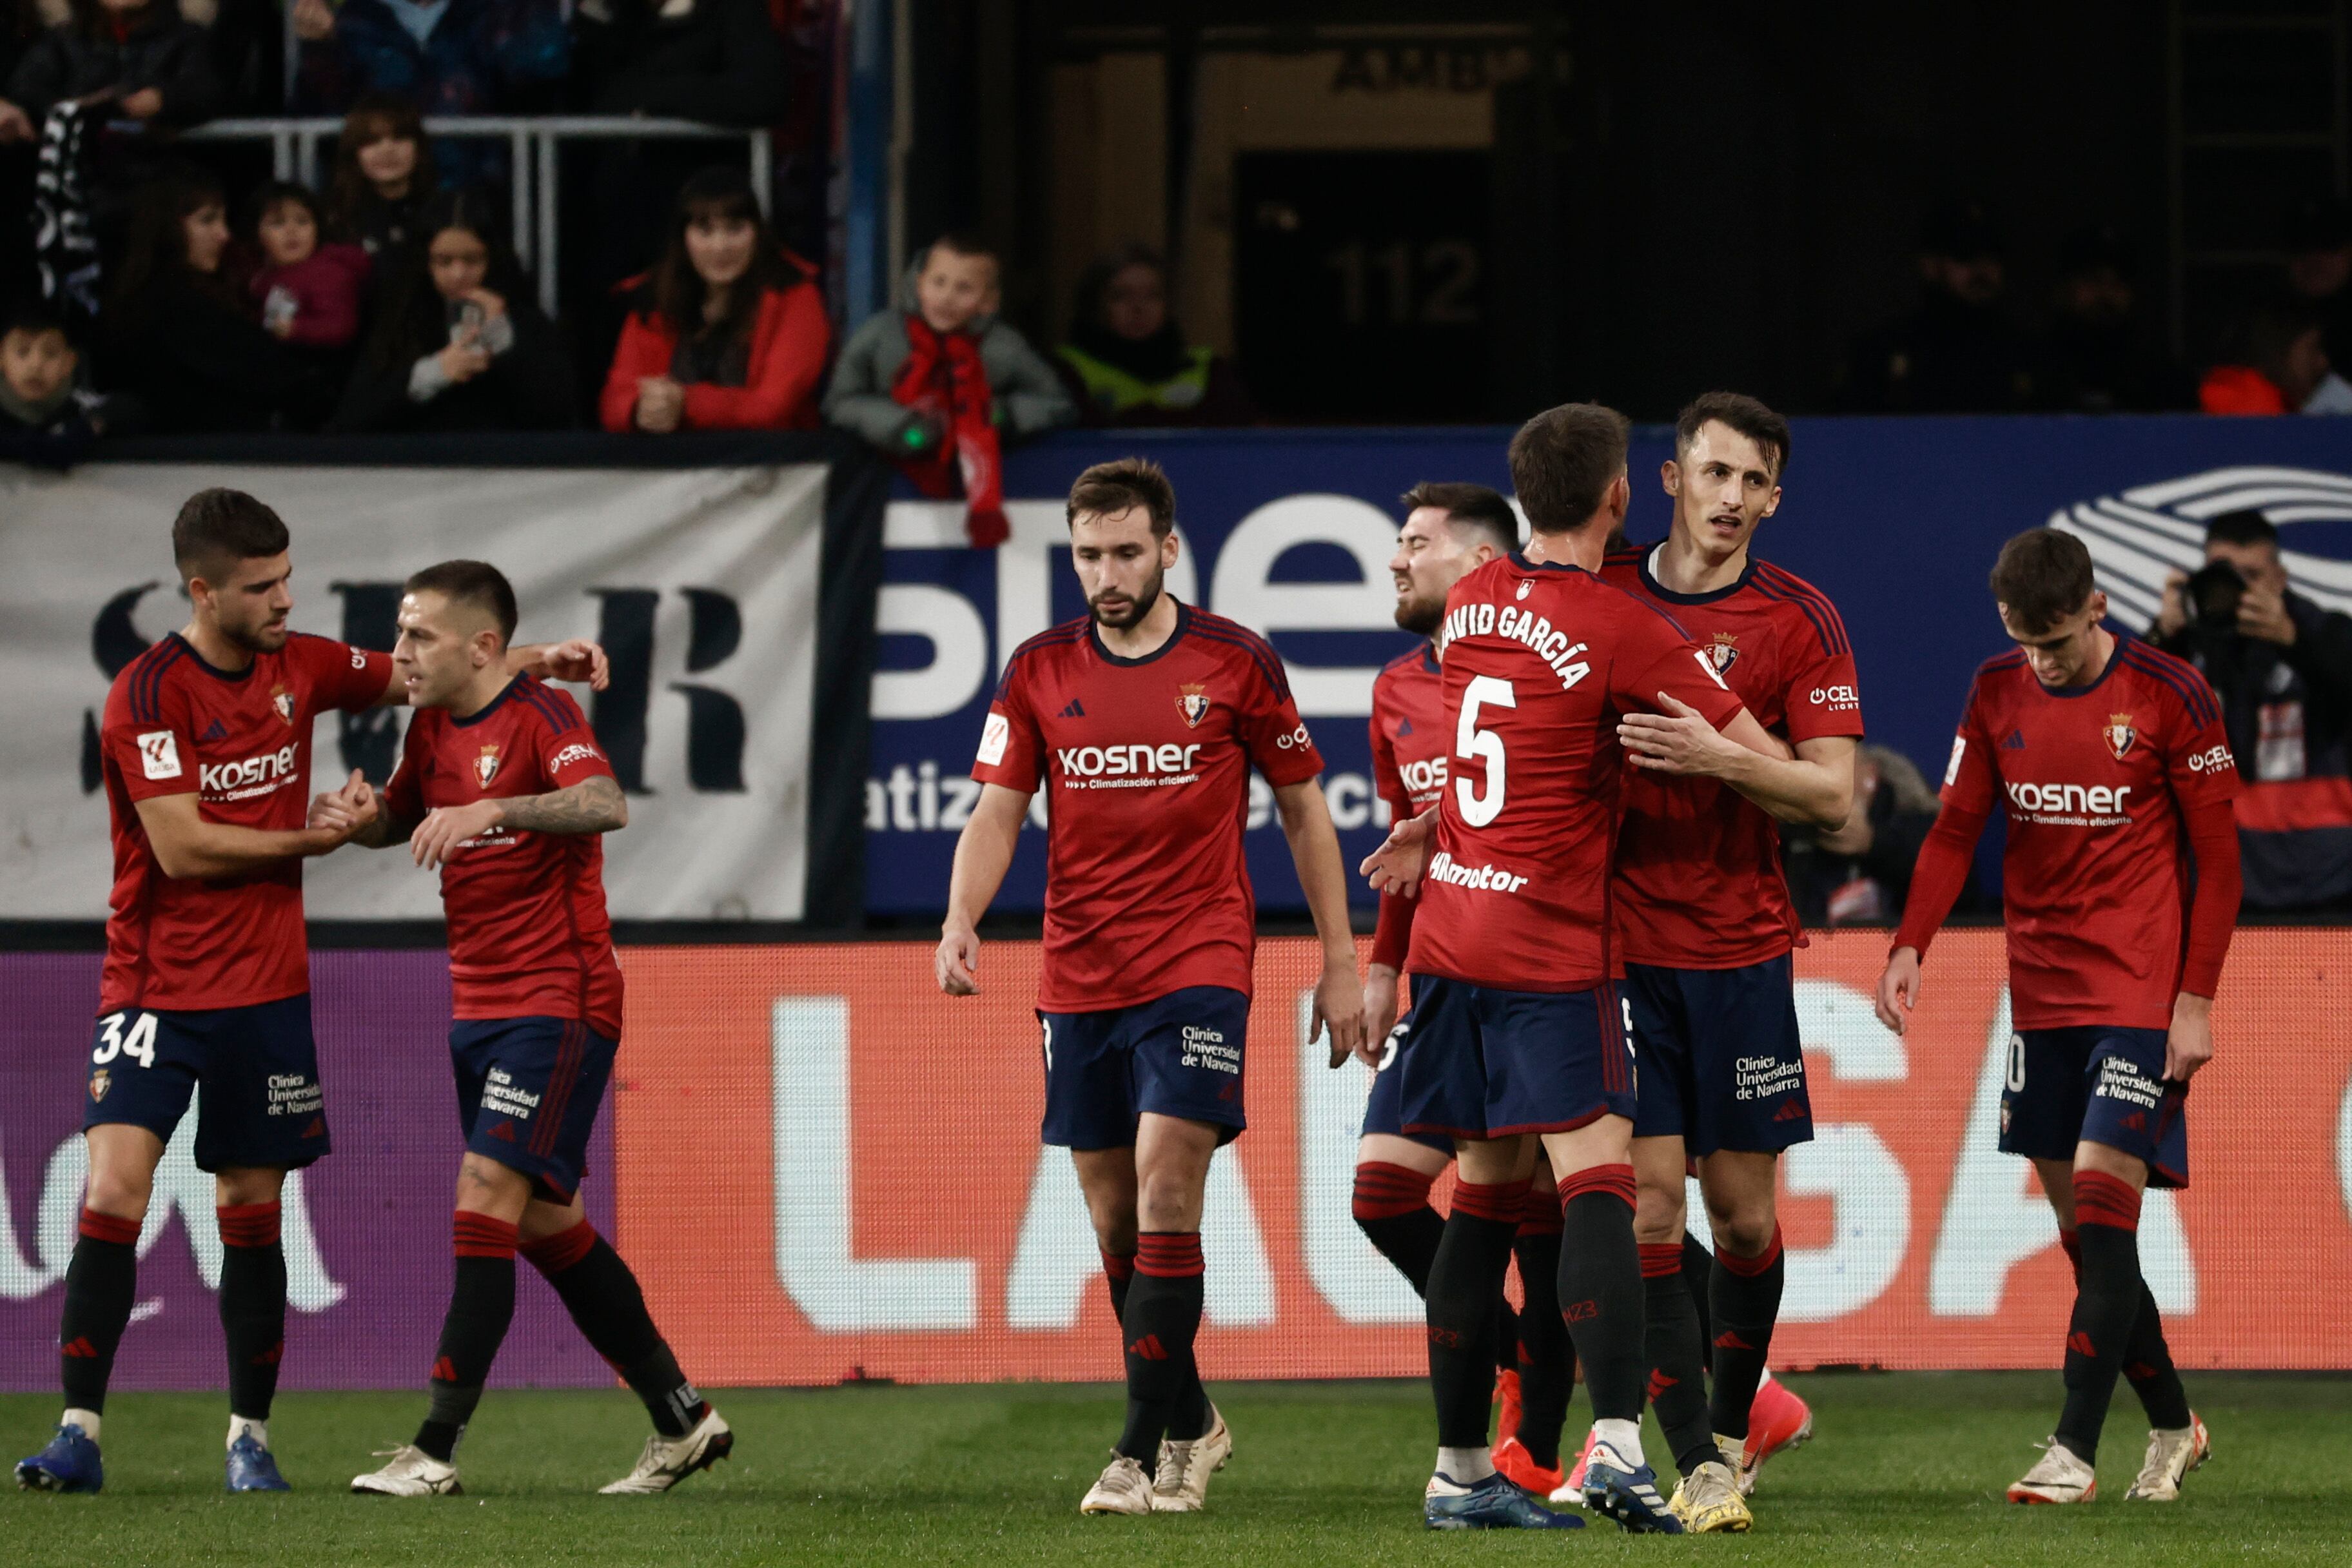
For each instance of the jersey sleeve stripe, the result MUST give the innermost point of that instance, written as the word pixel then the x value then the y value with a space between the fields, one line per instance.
pixel 147 682
pixel 1828 621
pixel 2183 678
pixel 548 706
pixel 1233 634
pixel 1657 609
pixel 1052 636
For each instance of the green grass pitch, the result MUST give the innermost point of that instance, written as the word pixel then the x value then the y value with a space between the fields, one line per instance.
pixel 1905 1469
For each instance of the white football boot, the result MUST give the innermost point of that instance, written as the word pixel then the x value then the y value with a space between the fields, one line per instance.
pixel 1123 1488
pixel 412 1472
pixel 669 1460
pixel 2170 1457
pixel 1182 1485
pixel 2058 1477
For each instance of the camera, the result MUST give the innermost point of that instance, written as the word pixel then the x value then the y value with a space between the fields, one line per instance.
pixel 2211 595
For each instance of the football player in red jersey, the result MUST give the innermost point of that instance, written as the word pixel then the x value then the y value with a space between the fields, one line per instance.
pixel 205 751
pixel 1709 932
pixel 2119 887
pixel 1144 718
pixel 1449 530
pixel 502 787
pixel 1517 1035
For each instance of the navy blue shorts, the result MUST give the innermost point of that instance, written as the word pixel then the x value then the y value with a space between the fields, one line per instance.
pixel 1178 1055
pixel 1384 1107
pixel 1723 1066
pixel 528 1090
pixel 258 1069
pixel 2097 1085
pixel 1483 1063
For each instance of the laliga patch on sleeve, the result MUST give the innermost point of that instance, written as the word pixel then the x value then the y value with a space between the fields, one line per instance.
pixel 1706 666
pixel 992 738
pixel 1952 768
pixel 159 755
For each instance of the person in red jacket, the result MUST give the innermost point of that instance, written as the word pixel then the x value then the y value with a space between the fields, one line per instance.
pixel 729 331
pixel 309 293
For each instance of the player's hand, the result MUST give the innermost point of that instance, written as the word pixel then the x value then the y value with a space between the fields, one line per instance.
pixel 1338 1007
pixel 957 962
pixel 2262 613
pixel 445 828
pixel 1395 866
pixel 1678 740
pixel 345 811
pixel 1380 1011
pixel 1898 989
pixel 2188 1044
pixel 577 659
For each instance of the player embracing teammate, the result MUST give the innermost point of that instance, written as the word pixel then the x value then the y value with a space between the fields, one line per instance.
pixel 1143 719
pixel 2120 887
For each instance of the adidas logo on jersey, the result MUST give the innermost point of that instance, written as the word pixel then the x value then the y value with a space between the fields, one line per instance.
pixel 2013 741
pixel 1076 709
pixel 215 731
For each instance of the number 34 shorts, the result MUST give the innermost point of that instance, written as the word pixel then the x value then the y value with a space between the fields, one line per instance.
pixel 255 1069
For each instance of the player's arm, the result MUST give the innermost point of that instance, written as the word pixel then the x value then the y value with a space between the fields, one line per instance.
pixel 1945 857
pixel 2204 782
pixel 574 659
pixel 983 855
pixel 1811 784
pixel 595 805
pixel 1323 876
pixel 1392 935
pixel 189 845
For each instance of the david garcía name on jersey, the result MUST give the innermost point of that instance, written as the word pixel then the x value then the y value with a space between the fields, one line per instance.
pixel 1510 623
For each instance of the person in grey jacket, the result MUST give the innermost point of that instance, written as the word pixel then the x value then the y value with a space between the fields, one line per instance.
pixel 935 383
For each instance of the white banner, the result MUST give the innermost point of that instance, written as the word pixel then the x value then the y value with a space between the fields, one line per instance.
pixel 701 583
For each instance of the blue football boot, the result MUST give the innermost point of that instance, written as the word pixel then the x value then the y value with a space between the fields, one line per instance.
pixel 1627 1493
pixel 1491 1504
pixel 252 1469
pixel 69 1464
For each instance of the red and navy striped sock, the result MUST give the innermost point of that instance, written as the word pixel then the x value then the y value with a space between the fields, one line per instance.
pixel 1601 1289
pixel 600 1291
pixel 252 1304
pixel 481 1306
pixel 1163 1313
pixel 1465 1280
pixel 1743 1308
pixel 2148 1358
pixel 101 1283
pixel 2107 1293
pixel 1677 1381
pixel 1392 1206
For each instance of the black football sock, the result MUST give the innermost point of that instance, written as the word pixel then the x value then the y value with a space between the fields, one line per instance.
pixel 1506 1332
pixel 600 1291
pixel 2108 1294
pixel 481 1305
pixel 2148 1358
pixel 1546 1362
pixel 1745 1302
pixel 1472 1256
pixel 1677 1383
pixel 101 1283
pixel 1698 1274
pixel 252 1305
pixel 1163 1313
pixel 1392 1206
pixel 1601 1289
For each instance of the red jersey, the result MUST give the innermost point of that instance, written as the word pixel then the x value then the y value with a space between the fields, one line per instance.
pixel 529 936
pixel 2096 779
pixel 1410 741
pixel 1698 864
pixel 1539 662
pixel 239 743
pixel 1147 890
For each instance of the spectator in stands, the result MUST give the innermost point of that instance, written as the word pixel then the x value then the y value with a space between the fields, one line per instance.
pixel 47 412
pixel 1956 353
pixel 2320 269
pixel 460 346
pixel 1128 360
pixel 140 57
pixel 729 331
pixel 2095 357
pixel 179 333
pixel 20 30
pixel 446 57
pixel 2274 361
pixel 2283 666
pixel 936 382
pixel 383 178
pixel 1860 874
pixel 309 293
pixel 715 60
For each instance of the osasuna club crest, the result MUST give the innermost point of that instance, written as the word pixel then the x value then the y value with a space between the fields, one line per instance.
pixel 283 700
pixel 1192 701
pixel 486 766
pixel 1724 652
pixel 2119 734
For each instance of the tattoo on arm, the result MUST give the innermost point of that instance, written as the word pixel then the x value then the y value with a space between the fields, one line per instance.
pixel 592 805
pixel 386 831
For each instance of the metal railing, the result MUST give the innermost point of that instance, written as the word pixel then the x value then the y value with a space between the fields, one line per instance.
pixel 533 143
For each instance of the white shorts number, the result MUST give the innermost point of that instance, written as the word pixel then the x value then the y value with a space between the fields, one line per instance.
pixel 1049 1043
pixel 139 1045
pixel 2016 1078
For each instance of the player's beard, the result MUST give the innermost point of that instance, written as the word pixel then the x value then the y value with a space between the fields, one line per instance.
pixel 263 637
pixel 1420 614
pixel 1138 608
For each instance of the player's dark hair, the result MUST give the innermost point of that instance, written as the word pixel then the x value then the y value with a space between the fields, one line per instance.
pixel 2043 575
pixel 219 528
pixel 1563 461
pixel 2247 526
pixel 1474 507
pixel 476 583
pixel 1739 412
pixel 1122 484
